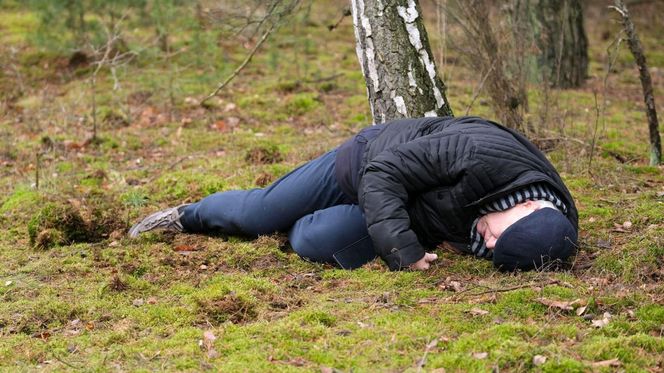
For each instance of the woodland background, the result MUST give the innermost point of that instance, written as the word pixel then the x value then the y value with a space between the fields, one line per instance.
pixel 101 122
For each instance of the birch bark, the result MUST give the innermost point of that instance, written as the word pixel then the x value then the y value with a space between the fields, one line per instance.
pixel 397 62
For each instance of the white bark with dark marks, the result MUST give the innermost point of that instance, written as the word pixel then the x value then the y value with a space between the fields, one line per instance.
pixel 396 59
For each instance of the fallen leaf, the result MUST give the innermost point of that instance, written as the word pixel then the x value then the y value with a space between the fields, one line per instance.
pixel 432 344
pixel 362 325
pixel 42 335
pixel 297 361
pixel 7 283
pixel 478 312
pixel 480 355
pixel 456 285
pixel 604 244
pixel 607 363
pixel 627 224
pixel 539 360
pixel 185 248
pixel 565 306
pixel 208 344
pixel 138 302
pixel 580 311
pixel 220 126
pixel 604 321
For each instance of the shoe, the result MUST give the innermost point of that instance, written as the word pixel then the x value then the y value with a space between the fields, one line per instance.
pixel 168 219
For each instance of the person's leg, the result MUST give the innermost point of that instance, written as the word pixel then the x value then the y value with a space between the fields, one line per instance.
pixel 308 188
pixel 334 235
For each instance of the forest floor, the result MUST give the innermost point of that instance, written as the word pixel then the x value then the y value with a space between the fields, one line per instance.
pixel 77 294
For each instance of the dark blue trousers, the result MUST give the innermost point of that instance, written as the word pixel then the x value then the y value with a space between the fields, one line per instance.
pixel 322 224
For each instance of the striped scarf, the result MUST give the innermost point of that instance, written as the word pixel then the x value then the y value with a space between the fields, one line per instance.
pixel 534 192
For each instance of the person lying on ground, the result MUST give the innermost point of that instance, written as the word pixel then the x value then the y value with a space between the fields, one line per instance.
pixel 399 189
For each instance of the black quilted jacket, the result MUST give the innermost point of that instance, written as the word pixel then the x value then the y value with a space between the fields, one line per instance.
pixel 423 180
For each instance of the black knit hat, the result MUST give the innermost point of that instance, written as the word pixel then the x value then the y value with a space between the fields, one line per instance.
pixel 535 240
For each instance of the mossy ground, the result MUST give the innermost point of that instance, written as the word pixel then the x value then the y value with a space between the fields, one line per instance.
pixel 117 304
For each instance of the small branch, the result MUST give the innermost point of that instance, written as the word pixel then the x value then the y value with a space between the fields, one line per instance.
pixel 242 65
pixel 512 288
pixel 646 82
pixel 345 13
pixel 323 79
pixel 478 90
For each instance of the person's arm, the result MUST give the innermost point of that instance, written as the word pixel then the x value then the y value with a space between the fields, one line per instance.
pixel 398 173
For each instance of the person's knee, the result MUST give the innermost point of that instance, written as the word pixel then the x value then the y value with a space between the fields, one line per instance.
pixel 306 239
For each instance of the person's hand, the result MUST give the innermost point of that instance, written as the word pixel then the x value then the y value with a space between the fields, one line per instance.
pixel 424 263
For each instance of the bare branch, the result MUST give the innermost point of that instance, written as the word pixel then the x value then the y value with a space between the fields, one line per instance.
pixel 242 65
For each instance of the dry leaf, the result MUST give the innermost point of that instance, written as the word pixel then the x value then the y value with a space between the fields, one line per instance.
pixel 432 344
pixel 185 248
pixel 566 306
pixel 480 355
pixel 604 321
pixel 581 310
pixel 478 312
pixel 627 224
pixel 220 126
pixel 208 344
pixel 539 360
pixel 607 363
pixel 297 361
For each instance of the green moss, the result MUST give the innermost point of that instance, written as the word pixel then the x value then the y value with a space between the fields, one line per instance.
pixel 21 198
pixel 176 186
pixel 301 103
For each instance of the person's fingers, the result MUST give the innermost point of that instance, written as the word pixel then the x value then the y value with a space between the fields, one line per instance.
pixel 430 257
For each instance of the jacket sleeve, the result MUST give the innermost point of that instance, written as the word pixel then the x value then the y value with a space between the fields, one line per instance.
pixel 395 175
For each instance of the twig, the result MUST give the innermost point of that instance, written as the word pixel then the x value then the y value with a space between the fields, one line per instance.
pixel 242 65
pixel 323 79
pixel 58 358
pixel 478 90
pixel 428 348
pixel 594 139
pixel 511 288
pixel 345 13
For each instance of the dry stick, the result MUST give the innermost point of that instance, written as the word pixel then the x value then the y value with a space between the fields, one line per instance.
pixel 345 13
pixel 242 65
pixel 592 143
pixel 646 82
pixel 37 169
pixel 478 90
pixel 517 287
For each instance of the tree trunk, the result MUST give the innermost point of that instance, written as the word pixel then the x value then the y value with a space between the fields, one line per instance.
pixel 396 59
pixel 561 39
